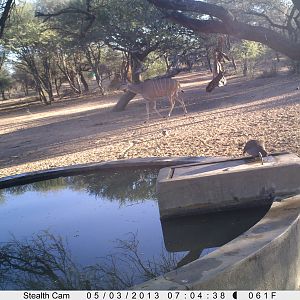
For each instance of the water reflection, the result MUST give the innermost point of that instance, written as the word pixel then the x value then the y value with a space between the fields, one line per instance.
pixel 2 197
pixel 45 263
pixel 120 185
pixel 197 233
pixel 90 218
pixel 101 230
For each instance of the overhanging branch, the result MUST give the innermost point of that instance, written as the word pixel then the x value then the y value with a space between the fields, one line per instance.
pixel 196 6
pixel 201 26
pixel 227 24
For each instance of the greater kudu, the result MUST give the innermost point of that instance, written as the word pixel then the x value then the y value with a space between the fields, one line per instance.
pixel 154 89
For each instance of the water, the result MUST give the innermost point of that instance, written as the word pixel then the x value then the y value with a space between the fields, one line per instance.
pixel 101 231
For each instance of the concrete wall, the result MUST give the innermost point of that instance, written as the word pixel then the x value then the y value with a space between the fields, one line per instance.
pixel 230 184
pixel 265 257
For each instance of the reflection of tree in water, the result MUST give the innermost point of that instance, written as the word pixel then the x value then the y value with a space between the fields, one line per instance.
pixel 128 184
pixel 126 268
pixel 2 197
pixel 55 184
pixel 45 263
pixel 134 184
pixel 41 263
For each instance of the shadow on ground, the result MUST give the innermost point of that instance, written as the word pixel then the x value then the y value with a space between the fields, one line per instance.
pixel 70 132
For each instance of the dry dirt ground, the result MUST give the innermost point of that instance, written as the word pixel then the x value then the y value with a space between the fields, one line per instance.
pixel 83 130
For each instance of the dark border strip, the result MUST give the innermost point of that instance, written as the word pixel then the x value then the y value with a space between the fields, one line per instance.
pixel 150 162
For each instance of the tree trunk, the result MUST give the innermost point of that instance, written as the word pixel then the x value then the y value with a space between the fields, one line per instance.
pixel 208 59
pixel 94 61
pixel 42 95
pixel 40 87
pixel 245 67
pixel 233 63
pixel 123 101
pixel 6 8
pixel 135 64
pixel 125 68
pixel 99 81
pixel 25 86
pixel 57 87
pixel 50 94
pixel 77 82
pixel 46 79
pixel 85 85
pixel 69 73
pixel 42 76
pixel 3 95
pixel 168 65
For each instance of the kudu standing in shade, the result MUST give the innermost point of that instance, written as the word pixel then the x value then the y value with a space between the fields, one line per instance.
pixel 154 89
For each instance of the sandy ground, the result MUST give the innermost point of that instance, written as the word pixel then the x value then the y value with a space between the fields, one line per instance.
pixel 83 130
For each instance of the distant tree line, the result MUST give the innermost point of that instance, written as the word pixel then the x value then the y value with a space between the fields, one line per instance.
pixel 50 45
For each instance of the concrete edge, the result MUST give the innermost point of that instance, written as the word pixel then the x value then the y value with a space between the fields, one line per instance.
pixel 222 186
pixel 154 162
pixel 264 257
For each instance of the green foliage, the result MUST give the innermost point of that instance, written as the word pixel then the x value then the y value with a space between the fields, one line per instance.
pixel 250 54
pixel 33 45
pixel 132 26
pixel 276 10
pixel 155 66
pixel 128 31
pixel 111 58
pixel 5 80
pixel 28 31
pixel 251 50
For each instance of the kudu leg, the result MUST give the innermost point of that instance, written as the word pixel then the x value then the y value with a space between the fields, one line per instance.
pixel 154 107
pixel 148 110
pixel 180 100
pixel 148 114
pixel 172 102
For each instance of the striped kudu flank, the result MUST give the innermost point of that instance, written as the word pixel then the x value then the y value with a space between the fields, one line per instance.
pixel 154 89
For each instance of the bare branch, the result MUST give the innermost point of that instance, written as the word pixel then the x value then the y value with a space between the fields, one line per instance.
pixel 70 10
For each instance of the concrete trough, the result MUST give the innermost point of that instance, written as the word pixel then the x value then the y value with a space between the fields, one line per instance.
pixel 266 257
pixel 225 185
